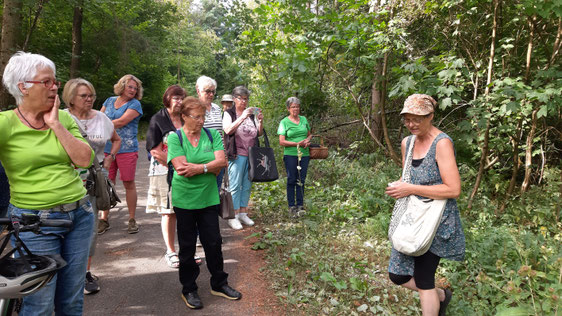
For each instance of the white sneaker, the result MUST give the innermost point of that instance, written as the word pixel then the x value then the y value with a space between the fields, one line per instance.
pixel 234 224
pixel 244 219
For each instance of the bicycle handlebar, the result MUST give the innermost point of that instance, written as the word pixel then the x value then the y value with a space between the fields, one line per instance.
pixel 42 222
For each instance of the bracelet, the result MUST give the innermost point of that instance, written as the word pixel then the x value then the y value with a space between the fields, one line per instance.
pixel 112 156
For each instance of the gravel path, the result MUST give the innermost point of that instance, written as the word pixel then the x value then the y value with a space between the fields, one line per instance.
pixel 135 279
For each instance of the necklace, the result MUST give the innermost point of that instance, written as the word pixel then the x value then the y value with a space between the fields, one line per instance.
pixel 35 128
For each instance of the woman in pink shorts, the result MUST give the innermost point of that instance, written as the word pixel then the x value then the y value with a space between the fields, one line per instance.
pixel 125 111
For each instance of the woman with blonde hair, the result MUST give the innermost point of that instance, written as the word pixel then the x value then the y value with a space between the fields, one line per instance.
pixel 125 111
pixel 79 96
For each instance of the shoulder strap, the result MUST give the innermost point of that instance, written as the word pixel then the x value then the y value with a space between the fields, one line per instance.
pixel 208 134
pixel 408 164
pixel 178 132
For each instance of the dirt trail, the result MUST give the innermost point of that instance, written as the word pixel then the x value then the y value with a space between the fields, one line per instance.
pixel 135 279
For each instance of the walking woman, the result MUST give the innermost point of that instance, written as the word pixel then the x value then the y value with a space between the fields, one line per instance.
pixel 294 135
pixel 241 127
pixel 125 111
pixel 164 122
pixel 39 147
pixel 198 156
pixel 434 175
pixel 79 96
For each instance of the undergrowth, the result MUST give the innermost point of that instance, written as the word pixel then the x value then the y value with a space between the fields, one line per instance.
pixel 333 260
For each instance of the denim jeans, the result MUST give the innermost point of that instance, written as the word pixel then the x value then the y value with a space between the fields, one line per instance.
pixel 291 163
pixel 206 221
pixel 65 292
pixel 219 178
pixel 240 184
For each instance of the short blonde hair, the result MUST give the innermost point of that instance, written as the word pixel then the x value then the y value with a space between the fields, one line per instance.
pixel 119 87
pixel 72 86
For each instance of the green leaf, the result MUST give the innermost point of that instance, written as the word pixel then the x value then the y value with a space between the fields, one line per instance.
pixel 515 311
pixel 542 112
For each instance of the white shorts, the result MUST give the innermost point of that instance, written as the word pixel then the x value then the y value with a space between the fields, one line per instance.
pixel 157 200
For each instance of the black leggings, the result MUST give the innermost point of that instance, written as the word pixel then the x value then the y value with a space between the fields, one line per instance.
pixel 424 272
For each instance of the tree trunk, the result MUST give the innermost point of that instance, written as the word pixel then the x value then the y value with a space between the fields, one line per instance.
pixel 32 28
pixel 393 155
pixel 529 152
pixel 556 46
pixel 515 141
pixel 76 41
pixel 11 28
pixel 487 92
pixel 375 116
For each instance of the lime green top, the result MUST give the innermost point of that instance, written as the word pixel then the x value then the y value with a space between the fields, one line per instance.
pixel 40 172
pixel 199 191
pixel 294 133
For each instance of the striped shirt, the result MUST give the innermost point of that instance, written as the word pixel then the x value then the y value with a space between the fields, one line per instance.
pixel 213 118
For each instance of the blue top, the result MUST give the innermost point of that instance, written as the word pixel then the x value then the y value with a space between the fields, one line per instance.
pixel 128 133
pixel 449 239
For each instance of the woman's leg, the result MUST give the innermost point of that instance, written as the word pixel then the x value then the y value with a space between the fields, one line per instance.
pixel 209 233
pixel 235 170
pixel 291 168
pixel 246 184
pixel 70 279
pixel 302 177
pixel 169 231
pixel 187 236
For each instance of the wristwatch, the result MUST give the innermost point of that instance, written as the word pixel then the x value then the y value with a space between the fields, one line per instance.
pixel 112 156
pixel 204 168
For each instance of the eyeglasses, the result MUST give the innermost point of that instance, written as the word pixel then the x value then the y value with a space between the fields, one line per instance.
pixel 197 118
pixel 48 83
pixel 415 120
pixel 242 99
pixel 132 87
pixel 177 98
pixel 208 91
pixel 87 96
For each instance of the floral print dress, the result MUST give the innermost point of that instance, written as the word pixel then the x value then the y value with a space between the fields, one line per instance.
pixel 449 240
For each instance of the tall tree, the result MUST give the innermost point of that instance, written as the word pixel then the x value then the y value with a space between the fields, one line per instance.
pixel 76 40
pixel 11 28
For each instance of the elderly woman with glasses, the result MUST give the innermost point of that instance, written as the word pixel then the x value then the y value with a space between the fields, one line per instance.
pixel 39 147
pixel 206 90
pixel 434 175
pixel 79 96
pixel 241 127
pixel 125 111
pixel 164 122
pixel 198 156
pixel 294 135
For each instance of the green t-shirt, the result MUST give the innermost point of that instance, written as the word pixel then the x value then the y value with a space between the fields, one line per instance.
pixel 40 171
pixel 294 133
pixel 199 191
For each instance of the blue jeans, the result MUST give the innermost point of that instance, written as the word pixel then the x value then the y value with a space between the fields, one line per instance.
pixel 240 184
pixel 291 163
pixel 219 178
pixel 65 292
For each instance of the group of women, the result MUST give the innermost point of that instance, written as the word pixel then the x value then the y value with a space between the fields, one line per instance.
pixel 42 148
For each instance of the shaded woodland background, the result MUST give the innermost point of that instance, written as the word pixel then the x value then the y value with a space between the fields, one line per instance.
pixel 493 65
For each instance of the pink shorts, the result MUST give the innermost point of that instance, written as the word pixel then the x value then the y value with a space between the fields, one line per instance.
pixel 127 165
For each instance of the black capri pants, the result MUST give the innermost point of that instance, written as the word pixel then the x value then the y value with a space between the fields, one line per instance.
pixel 425 267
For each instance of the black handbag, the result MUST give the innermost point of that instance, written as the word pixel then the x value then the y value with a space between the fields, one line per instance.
pixel 261 160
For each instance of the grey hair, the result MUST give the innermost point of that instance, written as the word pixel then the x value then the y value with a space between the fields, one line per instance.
pixel 22 67
pixel 292 100
pixel 203 82
pixel 240 91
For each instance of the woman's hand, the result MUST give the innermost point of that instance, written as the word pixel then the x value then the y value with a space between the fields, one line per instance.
pixel 304 143
pixel 398 189
pixel 107 162
pixel 51 117
pixel 246 113
pixel 260 117
pixel 188 170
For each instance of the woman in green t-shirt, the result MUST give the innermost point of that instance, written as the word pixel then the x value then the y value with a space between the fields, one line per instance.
pixel 198 156
pixel 294 135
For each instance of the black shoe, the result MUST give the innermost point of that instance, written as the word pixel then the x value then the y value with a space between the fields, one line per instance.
pixel 91 285
pixel 192 300
pixel 227 292
pixel 443 305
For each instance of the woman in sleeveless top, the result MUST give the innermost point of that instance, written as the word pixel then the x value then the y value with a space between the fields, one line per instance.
pixel 434 175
